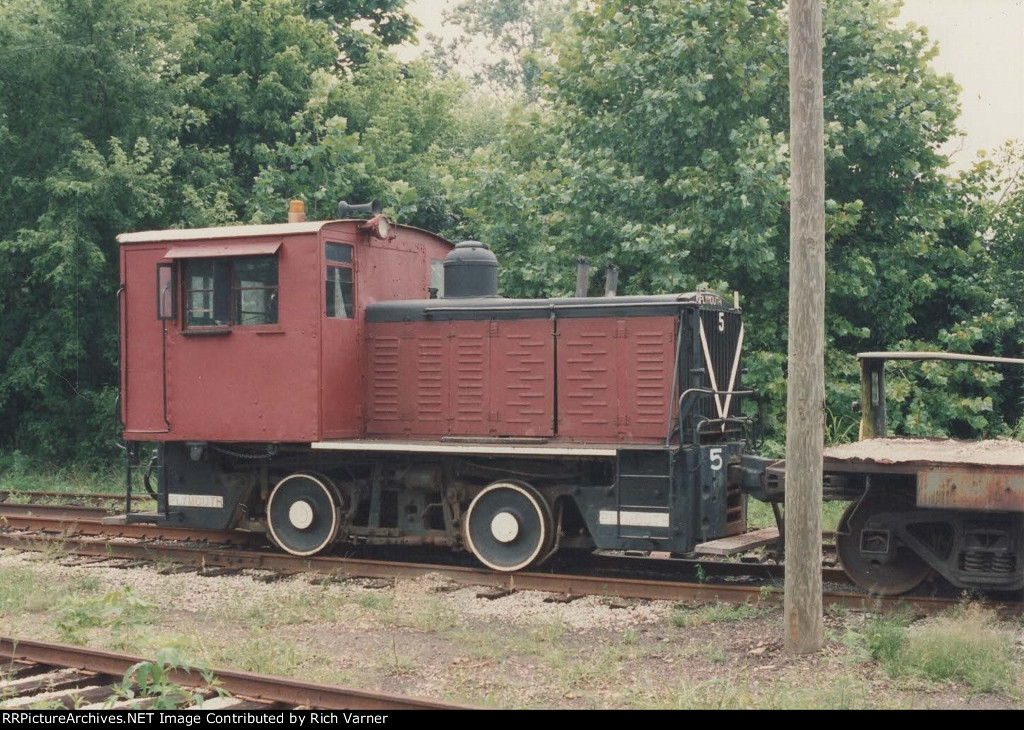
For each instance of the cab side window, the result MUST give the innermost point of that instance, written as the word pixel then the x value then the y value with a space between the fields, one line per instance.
pixel 221 292
pixel 339 302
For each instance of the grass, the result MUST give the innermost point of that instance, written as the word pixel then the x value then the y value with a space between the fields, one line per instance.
pixel 381 602
pixel 22 591
pixel 760 515
pixel 968 646
pixel 539 662
pixel 20 473
pixel 688 661
pixel 428 614
pixel 148 683
pixel 307 603
pixel 686 617
pixel 398 663
pixel 263 652
pixel 118 610
pixel 751 692
pixel 538 641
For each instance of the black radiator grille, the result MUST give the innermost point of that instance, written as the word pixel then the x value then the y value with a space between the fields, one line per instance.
pixel 717 338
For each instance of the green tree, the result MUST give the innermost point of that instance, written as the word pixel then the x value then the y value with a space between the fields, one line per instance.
pixel 387 132
pixel 252 65
pixel 360 26
pixel 119 115
pixel 86 153
pixel 512 35
pixel 661 145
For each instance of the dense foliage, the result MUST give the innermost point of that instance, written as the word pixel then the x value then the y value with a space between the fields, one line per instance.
pixel 649 134
pixel 662 147
pixel 119 115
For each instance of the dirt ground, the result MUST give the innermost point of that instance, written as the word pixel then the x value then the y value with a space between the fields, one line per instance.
pixel 428 638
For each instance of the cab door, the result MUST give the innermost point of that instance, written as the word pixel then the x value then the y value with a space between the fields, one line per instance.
pixel 341 384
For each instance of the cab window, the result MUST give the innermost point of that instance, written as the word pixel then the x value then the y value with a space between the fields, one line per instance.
pixel 223 292
pixel 339 302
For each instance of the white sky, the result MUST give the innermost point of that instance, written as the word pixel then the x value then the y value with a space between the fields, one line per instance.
pixel 981 42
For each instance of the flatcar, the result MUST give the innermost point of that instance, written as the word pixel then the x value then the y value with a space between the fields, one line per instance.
pixel 920 507
pixel 359 382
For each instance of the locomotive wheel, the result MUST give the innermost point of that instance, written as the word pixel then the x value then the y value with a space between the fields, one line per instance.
pixel 303 514
pixel 871 553
pixel 508 526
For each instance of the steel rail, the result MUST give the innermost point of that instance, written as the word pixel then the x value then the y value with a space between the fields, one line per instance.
pixel 53 511
pixel 291 692
pixel 636 588
pixel 6 494
pixel 54 521
pixel 66 520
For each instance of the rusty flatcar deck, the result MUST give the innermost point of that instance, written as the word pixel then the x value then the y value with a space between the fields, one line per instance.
pixel 954 474
pixel 930 451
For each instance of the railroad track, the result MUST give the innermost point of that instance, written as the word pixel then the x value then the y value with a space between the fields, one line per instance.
pixel 52 518
pixel 94 498
pixel 49 519
pixel 36 674
pixel 79 531
pixel 216 559
pixel 81 520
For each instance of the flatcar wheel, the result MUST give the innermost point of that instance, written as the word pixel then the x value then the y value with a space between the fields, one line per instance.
pixel 303 514
pixel 871 553
pixel 508 526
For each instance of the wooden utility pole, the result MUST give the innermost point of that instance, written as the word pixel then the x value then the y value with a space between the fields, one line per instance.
pixel 805 395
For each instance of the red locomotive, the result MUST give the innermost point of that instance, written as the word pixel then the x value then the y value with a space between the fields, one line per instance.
pixel 355 381
pixel 363 382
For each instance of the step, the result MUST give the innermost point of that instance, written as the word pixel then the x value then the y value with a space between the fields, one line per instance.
pixel 739 543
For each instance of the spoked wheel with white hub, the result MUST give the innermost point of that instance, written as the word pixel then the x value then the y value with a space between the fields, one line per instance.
pixel 304 513
pixel 508 526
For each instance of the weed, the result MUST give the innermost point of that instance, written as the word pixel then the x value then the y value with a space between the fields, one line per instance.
pixel 885 637
pixel 20 590
pixel 115 609
pixel 831 512
pixel 547 631
pixel 714 653
pixel 151 683
pixel 396 664
pixel 376 601
pixel 840 430
pixel 20 472
pixel 837 610
pixel 429 614
pixel 51 551
pixel 47 705
pixel 684 617
pixel 264 653
pixel 760 515
pixel 89 584
pixel 972 648
pixel 966 645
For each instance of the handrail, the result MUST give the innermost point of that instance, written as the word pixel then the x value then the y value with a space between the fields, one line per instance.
pixel 689 398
